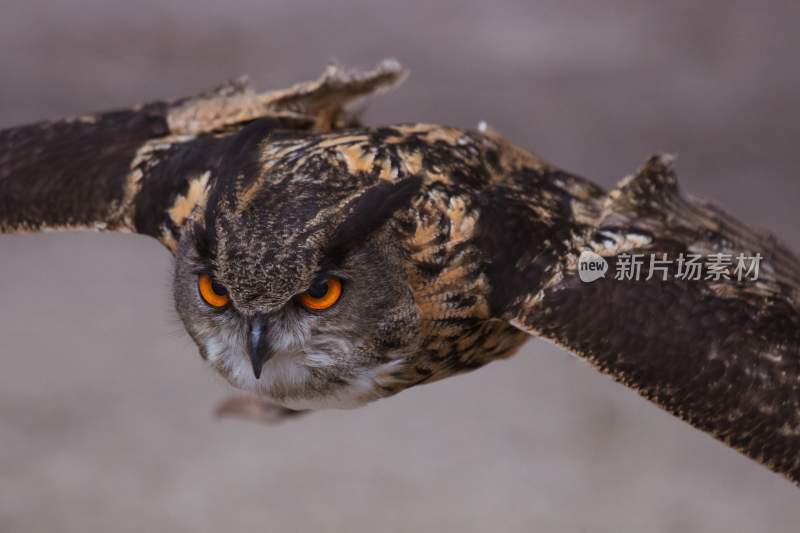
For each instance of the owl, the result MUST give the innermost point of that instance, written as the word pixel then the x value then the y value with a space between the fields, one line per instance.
pixel 322 263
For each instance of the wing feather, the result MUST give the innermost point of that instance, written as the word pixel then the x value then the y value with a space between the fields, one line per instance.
pixel 144 169
pixel 721 354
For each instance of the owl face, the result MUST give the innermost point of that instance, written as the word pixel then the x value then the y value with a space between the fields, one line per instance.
pixel 306 304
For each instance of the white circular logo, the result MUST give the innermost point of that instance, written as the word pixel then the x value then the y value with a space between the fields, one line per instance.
pixel 591 266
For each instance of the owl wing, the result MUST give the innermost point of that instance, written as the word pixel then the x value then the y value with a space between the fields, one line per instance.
pixel 145 169
pixel 724 355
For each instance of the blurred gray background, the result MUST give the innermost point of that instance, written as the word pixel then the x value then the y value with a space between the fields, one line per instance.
pixel 105 406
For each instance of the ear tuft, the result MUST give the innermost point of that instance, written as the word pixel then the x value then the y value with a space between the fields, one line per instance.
pixel 370 211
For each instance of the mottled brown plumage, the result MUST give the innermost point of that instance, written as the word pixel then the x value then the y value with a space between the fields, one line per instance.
pixel 453 247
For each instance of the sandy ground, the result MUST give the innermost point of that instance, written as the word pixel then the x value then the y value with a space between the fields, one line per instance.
pixel 105 406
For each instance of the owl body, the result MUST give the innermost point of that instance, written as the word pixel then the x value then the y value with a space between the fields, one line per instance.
pixel 404 216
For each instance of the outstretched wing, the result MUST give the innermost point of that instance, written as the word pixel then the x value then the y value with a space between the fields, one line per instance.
pixel 722 354
pixel 144 169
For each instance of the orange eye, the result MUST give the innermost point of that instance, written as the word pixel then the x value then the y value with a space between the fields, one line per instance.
pixel 212 292
pixel 322 294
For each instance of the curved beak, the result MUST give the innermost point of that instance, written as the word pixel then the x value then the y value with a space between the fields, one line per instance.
pixel 258 347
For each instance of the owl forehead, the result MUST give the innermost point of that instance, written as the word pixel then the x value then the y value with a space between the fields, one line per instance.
pixel 274 249
pixel 272 222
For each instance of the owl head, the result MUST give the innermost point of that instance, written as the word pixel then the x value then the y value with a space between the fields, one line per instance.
pixel 292 283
